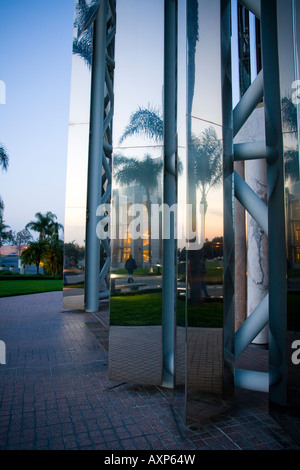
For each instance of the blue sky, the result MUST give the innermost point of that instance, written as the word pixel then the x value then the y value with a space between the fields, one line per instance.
pixel 35 65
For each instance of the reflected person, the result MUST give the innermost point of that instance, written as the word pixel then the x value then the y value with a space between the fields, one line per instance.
pixel 130 265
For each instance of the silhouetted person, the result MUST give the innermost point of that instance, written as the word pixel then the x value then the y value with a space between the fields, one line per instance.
pixel 130 265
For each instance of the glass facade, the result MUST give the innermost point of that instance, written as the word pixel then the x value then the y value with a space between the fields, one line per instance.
pixel 201 321
pixel 289 21
pixel 204 296
pixel 135 352
pixel 77 164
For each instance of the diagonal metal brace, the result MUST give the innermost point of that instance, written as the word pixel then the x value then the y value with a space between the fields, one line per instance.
pixel 251 201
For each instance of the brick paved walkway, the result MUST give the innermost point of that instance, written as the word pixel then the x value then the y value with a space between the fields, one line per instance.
pixel 55 392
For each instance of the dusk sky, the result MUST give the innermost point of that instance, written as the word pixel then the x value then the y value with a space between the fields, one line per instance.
pixel 35 58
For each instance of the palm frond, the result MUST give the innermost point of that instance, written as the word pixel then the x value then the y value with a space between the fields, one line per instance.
pixel 144 122
pixel 289 114
pixel 207 161
pixel 83 43
pixel 143 172
pixel 84 48
pixel 4 158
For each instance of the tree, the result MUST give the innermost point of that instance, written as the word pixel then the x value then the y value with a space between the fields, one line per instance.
pixel 145 122
pixel 144 173
pixel 73 253
pixel 45 224
pixel 4 158
pixel 34 253
pixel 83 43
pixel 53 258
pixel 291 155
pixel 207 167
pixel 4 233
pixel 23 237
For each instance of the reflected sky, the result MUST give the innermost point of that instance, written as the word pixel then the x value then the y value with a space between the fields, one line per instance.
pixel 138 83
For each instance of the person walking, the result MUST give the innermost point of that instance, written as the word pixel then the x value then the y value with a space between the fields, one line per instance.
pixel 130 265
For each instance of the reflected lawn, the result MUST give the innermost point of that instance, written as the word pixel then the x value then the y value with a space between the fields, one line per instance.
pixel 146 309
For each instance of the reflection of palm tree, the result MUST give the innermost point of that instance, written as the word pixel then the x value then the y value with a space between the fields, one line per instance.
pixel 83 43
pixel 4 159
pixel 291 156
pixel 289 113
pixel 144 173
pixel 45 224
pixel 205 172
pixel 193 37
pixel 146 122
pixel 207 163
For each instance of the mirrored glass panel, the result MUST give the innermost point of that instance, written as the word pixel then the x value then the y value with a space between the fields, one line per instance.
pixel 76 183
pixel 135 352
pixel 180 358
pixel 204 307
pixel 289 42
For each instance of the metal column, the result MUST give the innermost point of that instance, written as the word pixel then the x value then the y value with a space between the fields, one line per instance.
pixel 169 191
pixel 100 149
pixel 276 205
pixel 229 252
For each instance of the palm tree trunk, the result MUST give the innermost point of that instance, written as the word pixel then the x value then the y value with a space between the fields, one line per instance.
pixel 148 205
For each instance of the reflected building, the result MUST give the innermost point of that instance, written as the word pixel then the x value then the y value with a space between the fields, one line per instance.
pixel 196 109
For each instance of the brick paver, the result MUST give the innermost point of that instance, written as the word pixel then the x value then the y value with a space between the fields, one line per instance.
pixel 55 392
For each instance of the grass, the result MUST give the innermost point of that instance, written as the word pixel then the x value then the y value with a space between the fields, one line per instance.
pixel 146 310
pixel 22 287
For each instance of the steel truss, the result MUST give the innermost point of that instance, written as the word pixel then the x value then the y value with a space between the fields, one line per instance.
pixel 98 255
pixel 272 310
pixel 270 217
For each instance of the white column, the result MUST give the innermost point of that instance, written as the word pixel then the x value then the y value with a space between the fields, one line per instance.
pixel 257 252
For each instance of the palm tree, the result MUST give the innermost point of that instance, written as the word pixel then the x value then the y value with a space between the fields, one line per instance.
pixel 1 206
pixel 83 43
pixel 145 122
pixel 4 158
pixel 45 224
pixel 35 253
pixel 204 151
pixel 291 156
pixel 144 173
pixel 207 169
pixel 3 231
pixel 53 257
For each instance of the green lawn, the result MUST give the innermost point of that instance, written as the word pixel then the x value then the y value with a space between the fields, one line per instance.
pixel 21 287
pixel 146 309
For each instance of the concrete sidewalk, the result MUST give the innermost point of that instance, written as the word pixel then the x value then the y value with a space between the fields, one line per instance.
pixel 55 392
